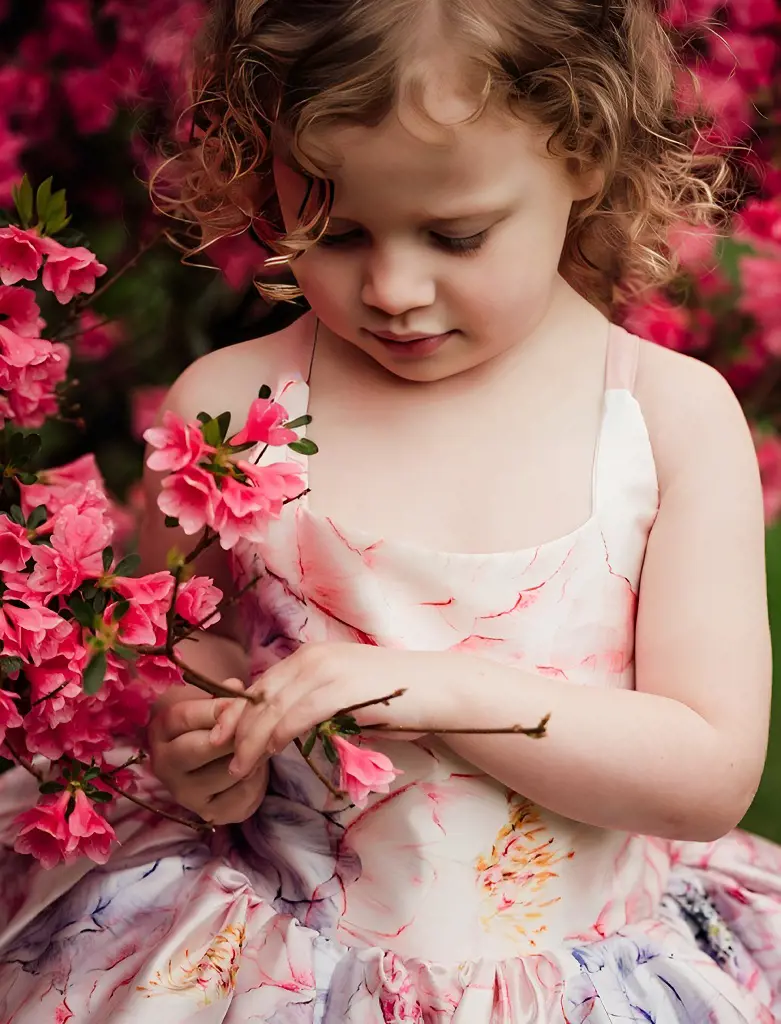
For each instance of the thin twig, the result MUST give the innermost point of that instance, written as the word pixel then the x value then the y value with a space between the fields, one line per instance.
pixel 215 689
pixel 48 696
pixel 370 703
pixel 340 794
pixel 23 761
pixel 534 732
pixel 198 826
pixel 136 759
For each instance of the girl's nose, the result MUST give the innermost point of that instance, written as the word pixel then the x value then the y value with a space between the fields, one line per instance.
pixel 395 282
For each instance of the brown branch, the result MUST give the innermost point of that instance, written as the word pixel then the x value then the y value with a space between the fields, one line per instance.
pixel 48 696
pixel 534 732
pixel 198 826
pixel 23 761
pixel 326 782
pixel 209 686
pixel 370 703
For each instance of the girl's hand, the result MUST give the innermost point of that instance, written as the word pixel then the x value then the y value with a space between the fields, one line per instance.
pixel 194 770
pixel 318 680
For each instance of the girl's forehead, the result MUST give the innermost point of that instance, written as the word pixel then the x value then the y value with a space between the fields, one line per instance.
pixel 409 147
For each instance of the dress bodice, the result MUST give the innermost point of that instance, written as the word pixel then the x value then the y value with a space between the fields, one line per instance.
pixel 565 608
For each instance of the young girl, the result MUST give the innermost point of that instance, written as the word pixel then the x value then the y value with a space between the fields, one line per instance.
pixel 464 188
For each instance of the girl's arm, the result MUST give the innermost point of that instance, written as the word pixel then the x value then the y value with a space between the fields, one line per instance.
pixel 681 756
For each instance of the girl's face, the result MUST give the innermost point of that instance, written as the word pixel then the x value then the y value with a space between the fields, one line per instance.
pixel 452 236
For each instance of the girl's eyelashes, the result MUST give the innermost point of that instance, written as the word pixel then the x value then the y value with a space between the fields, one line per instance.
pixel 459 246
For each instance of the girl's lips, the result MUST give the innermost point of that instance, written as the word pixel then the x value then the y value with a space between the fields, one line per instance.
pixel 415 347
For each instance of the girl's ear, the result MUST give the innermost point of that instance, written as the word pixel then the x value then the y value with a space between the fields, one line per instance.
pixel 586 181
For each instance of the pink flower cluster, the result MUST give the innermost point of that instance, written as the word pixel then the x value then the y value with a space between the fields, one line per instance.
pixel 211 486
pixel 31 368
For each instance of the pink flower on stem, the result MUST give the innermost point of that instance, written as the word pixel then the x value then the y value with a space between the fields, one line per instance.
pixel 43 830
pixel 29 633
pixel 77 483
pixel 96 338
pixel 263 425
pixel 362 771
pixel 178 444
pixel 51 834
pixel 75 555
pixel 246 508
pixel 9 716
pixel 21 254
pixel 69 271
pixel 15 546
pixel 150 599
pixel 760 221
pixel 192 497
pixel 198 598
pixel 21 310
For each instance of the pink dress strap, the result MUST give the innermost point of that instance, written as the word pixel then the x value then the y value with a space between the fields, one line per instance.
pixel 623 351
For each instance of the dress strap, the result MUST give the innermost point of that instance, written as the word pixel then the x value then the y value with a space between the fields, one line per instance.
pixel 623 352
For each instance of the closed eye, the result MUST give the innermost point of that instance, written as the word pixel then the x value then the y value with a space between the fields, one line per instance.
pixel 457 245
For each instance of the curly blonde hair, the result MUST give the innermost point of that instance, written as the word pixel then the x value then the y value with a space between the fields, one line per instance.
pixel 599 76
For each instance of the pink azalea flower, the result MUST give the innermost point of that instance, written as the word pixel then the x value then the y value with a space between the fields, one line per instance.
pixel 191 496
pixel 362 771
pixel 51 835
pixel 92 833
pixel 681 13
pixel 78 483
pixel 96 339
pixel 761 278
pixel 750 58
pixel 178 444
pixel 663 322
pixel 753 14
pixel 145 407
pixel 21 254
pixel 150 599
pixel 239 258
pixel 75 555
pixel 769 458
pixel 29 633
pixel 198 598
pixel 246 508
pixel 760 220
pixel 158 672
pixel 9 716
pixel 263 425
pixel 15 546
pixel 69 271
pixel 92 96
pixel 43 830
pixel 18 305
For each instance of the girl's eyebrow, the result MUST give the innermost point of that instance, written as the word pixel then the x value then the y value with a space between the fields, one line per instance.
pixel 492 214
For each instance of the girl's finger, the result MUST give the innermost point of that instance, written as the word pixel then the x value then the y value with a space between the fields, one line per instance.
pixel 225 726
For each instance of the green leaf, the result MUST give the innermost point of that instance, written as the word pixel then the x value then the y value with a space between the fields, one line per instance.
pixel 265 392
pixel 224 422
pixel 128 565
pixel 330 750
pixel 91 773
pixel 123 651
pixel 57 223
pixel 36 517
pixel 89 591
pixel 17 515
pixel 31 445
pixel 83 612
pixel 23 201
pixel 100 602
pixel 27 478
pixel 56 213
pixel 346 725
pixel 48 788
pixel 95 673
pixel 108 558
pixel 211 433
pixel 302 421
pixel 306 750
pixel 10 665
pixel 171 521
pixel 42 199
pixel 304 446
pixel 15 602
pixel 121 609
pixel 203 417
pixel 100 796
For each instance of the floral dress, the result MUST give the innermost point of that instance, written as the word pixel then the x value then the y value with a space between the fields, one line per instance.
pixel 449 899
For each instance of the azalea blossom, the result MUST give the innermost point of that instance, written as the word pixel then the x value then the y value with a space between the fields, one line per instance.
pixel 9 714
pixel 178 444
pixel 69 271
pixel 21 254
pixel 245 508
pixel 197 600
pixel 75 555
pixel 362 771
pixel 191 496
pixel 264 425
pixel 52 835
pixel 21 311
pixel 15 545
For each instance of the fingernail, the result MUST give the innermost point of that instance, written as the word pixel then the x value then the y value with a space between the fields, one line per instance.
pixel 234 768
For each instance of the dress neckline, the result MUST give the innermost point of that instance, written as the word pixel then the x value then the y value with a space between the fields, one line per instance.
pixel 620 367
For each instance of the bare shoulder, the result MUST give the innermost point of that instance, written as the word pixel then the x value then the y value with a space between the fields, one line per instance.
pixel 692 415
pixel 228 379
